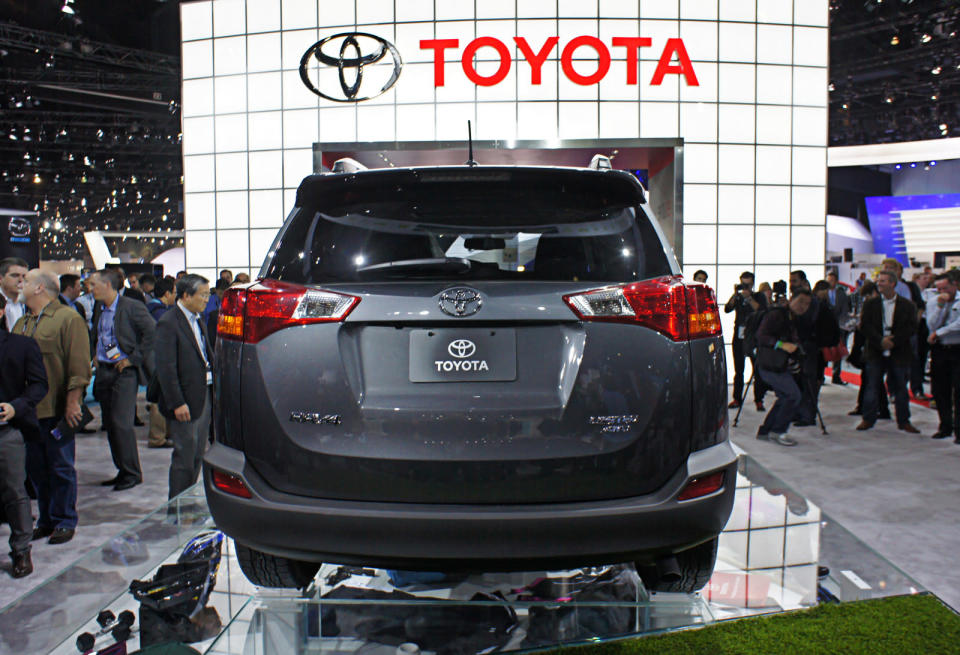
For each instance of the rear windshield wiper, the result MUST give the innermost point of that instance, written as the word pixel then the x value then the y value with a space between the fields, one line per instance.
pixel 430 265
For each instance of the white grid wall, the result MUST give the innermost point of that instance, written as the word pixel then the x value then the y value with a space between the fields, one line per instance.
pixel 755 129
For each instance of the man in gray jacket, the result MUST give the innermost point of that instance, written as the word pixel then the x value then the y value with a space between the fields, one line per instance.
pixel 122 347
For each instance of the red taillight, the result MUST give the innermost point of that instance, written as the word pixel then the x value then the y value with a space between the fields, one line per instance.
pixel 251 314
pixel 699 487
pixel 663 304
pixel 230 318
pixel 230 484
pixel 703 315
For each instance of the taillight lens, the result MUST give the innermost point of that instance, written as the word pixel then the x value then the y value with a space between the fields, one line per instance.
pixel 253 313
pixel 703 315
pixel 663 304
pixel 230 484
pixel 230 318
pixel 699 487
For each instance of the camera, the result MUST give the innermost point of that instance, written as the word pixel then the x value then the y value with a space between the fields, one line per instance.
pixel 780 287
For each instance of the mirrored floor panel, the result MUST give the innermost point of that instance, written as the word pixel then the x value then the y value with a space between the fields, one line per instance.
pixel 172 577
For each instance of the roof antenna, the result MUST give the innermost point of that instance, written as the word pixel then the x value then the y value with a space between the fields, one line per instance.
pixel 470 161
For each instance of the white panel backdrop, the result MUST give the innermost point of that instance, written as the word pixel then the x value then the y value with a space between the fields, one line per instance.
pixel 755 129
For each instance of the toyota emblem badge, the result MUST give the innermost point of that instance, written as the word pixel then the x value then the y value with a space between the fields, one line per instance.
pixel 460 302
pixel 461 348
pixel 351 55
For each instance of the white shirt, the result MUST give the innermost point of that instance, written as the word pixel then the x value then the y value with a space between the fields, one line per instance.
pixel 945 320
pixel 12 312
pixel 889 306
pixel 194 321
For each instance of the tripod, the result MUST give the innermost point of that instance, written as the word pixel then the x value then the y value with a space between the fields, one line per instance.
pixel 809 389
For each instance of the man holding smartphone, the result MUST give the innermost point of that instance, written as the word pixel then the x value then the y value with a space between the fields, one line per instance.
pixel 62 336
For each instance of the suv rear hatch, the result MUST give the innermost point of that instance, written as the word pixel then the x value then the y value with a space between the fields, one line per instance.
pixel 467 335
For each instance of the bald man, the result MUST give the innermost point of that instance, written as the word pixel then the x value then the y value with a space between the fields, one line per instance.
pixel 62 336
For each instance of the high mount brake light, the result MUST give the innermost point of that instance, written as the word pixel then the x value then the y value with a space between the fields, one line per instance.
pixel 258 311
pixel 664 304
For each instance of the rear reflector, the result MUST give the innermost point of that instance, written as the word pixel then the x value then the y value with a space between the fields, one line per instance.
pixel 705 486
pixel 230 484
pixel 253 313
pixel 663 304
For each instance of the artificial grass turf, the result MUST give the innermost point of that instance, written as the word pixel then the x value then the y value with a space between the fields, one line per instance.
pixel 900 625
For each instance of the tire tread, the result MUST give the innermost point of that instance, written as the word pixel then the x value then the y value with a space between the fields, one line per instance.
pixel 265 570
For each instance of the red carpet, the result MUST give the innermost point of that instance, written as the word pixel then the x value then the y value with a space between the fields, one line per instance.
pixel 854 378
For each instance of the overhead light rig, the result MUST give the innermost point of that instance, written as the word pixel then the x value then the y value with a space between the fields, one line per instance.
pixel 89 139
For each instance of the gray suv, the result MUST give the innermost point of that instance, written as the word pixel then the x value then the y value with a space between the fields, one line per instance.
pixel 471 368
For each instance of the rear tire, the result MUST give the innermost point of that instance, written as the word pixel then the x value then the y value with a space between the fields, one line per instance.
pixel 265 570
pixel 696 566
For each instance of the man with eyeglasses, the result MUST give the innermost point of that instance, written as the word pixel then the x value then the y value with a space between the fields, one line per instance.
pixel 185 378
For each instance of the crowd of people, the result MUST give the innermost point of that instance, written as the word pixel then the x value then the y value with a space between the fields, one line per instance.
pixel 897 325
pixel 127 331
pixel 124 332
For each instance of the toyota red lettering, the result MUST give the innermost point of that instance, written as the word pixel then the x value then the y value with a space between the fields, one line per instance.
pixel 673 49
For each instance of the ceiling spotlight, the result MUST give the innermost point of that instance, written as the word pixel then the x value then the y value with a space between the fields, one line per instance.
pixel 937 70
pixel 898 166
pixel 36 178
pixel 933 163
pixel 895 40
pixel 934 97
pixel 845 106
pixel 943 126
pixel 913 165
pixel 926 38
pixel 888 99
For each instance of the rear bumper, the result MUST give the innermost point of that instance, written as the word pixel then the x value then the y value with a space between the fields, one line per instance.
pixel 478 537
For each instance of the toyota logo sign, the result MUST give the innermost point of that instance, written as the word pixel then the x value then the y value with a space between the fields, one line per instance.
pixel 354 54
pixel 461 348
pixel 460 302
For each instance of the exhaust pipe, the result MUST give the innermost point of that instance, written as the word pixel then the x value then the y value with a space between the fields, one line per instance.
pixel 668 570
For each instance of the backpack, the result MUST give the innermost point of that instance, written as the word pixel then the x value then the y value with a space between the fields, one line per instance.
pixel 751 327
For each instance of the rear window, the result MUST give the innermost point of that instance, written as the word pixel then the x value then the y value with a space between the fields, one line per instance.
pixel 493 226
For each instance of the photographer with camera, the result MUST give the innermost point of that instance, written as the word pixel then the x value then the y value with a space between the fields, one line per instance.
pixel 779 358
pixel 744 302
pixel 888 324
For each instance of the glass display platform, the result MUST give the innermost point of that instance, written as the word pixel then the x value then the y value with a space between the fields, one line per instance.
pixel 778 552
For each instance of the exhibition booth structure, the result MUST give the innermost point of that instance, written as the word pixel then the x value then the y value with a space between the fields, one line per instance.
pixel 173 577
pixel 738 89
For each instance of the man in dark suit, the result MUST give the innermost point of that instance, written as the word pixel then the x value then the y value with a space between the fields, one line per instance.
pixel 840 304
pixel 122 347
pixel 70 290
pixel 185 377
pixel 22 385
pixel 888 323
pixel 133 288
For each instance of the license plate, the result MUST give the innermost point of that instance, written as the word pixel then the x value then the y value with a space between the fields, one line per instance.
pixel 463 355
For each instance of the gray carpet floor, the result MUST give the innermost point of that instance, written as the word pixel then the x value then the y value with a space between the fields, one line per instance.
pixel 897 492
